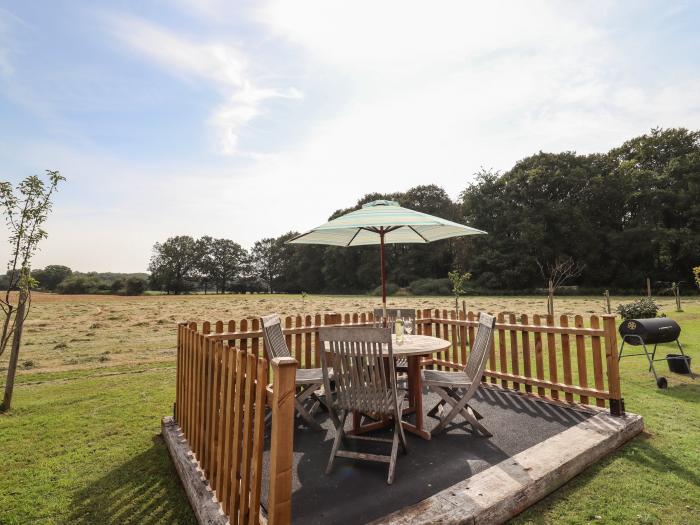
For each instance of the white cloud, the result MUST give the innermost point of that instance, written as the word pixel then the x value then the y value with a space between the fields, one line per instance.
pixel 223 65
pixel 396 94
pixel 436 90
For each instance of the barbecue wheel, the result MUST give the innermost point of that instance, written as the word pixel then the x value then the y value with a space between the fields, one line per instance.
pixel 662 382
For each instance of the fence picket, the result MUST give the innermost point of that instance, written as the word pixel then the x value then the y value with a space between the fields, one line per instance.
pixel 237 438
pixel 515 365
pixel 259 439
pixel 317 344
pixel 231 328
pixel 527 361
pixel 288 337
pixel 255 341
pixel 581 365
pixel 208 401
pixel 247 446
pixel 192 360
pixel 463 339
pixel 298 348
pixel 199 349
pixel 454 329
pixel 552 355
pixel 502 359
pixel 223 422
pixel 231 381
pixel 539 363
pixel 308 363
pixel 215 409
pixel 597 360
pixel 243 327
pixel 566 357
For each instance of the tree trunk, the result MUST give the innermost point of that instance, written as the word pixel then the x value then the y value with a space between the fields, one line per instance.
pixel 14 354
pixel 550 299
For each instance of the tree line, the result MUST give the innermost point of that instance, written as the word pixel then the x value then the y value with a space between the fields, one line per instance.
pixel 620 216
pixel 61 279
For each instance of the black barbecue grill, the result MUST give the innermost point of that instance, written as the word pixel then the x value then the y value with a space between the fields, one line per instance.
pixel 641 332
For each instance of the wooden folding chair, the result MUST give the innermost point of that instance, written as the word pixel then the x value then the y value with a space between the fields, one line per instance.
pixel 457 388
pixel 308 380
pixel 363 383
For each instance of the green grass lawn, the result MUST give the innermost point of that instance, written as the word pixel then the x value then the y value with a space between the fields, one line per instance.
pixel 83 446
pixel 85 449
pixel 655 478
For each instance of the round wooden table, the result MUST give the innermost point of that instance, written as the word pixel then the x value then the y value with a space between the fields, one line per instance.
pixel 413 348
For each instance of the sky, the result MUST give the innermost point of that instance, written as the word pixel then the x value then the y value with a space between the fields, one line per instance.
pixel 247 120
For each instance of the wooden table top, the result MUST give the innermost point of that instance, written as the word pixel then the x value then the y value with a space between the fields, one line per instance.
pixel 419 345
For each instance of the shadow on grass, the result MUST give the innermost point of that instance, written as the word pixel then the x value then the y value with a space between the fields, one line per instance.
pixel 646 455
pixel 144 490
pixel 682 391
pixel 639 451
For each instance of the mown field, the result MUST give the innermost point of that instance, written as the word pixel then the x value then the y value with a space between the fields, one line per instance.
pixel 97 373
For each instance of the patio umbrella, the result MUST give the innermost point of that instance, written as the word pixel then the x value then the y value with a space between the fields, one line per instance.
pixel 383 222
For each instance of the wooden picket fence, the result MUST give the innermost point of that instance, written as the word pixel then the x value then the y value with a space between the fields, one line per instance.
pixel 223 386
pixel 573 361
pixel 221 397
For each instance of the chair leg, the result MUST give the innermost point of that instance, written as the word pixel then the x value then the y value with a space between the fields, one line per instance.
pixel 398 430
pixel 339 434
pixel 315 406
pixel 457 407
pixel 305 415
pixel 475 424
pixel 452 392
pixel 436 408
pixel 476 414
pixel 402 434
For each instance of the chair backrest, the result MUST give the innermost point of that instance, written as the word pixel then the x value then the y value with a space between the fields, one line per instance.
pixel 363 368
pixel 275 345
pixel 480 349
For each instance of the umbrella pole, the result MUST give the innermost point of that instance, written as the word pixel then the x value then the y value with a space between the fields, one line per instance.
pixel 381 262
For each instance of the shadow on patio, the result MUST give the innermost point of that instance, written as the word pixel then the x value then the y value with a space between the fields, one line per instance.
pixel 356 492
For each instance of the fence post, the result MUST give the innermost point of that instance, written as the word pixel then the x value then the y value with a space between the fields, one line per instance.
pixel 282 441
pixel 179 371
pixel 617 404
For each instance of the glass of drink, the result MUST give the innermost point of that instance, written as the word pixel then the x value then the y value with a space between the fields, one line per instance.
pixel 408 325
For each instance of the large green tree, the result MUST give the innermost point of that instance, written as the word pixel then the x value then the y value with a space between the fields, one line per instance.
pixel 228 260
pixel 173 265
pixel 266 261
pixel 51 276
pixel 626 215
pixel 622 216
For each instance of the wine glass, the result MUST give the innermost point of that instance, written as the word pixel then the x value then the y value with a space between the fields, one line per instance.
pixel 408 325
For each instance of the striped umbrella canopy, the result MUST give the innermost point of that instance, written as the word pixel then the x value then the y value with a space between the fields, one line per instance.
pixel 381 222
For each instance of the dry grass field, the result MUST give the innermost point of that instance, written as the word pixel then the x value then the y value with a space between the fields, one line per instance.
pixel 68 332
